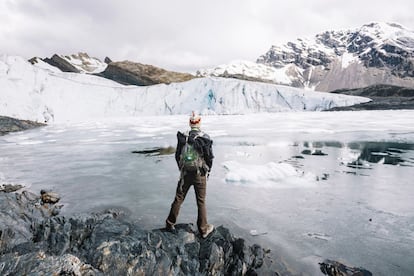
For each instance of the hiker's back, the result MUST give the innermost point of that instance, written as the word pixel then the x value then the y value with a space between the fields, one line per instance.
pixel 191 156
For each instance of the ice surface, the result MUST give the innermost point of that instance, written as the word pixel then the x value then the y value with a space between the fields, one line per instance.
pixel 363 217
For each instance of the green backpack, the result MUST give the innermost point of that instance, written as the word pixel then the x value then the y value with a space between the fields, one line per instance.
pixel 190 158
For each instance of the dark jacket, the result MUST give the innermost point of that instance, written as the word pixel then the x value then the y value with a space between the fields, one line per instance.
pixel 203 144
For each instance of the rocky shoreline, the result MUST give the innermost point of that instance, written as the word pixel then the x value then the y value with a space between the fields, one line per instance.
pixel 384 97
pixel 36 240
pixel 8 124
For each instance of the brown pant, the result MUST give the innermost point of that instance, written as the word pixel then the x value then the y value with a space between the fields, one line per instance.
pixel 199 183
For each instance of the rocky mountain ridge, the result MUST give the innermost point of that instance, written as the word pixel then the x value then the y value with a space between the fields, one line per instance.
pixel 76 63
pixel 376 53
pixel 124 72
pixel 134 73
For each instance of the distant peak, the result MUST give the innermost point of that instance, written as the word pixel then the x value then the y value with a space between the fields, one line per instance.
pixel 78 63
pixel 395 25
pixel 80 55
pixel 384 25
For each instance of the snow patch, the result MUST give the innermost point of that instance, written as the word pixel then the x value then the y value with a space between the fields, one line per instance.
pixel 347 59
pixel 85 64
pixel 249 69
pixel 271 175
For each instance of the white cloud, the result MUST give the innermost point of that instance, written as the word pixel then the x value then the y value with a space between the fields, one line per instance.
pixel 183 34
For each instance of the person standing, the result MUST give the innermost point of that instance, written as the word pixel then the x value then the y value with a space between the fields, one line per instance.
pixel 194 156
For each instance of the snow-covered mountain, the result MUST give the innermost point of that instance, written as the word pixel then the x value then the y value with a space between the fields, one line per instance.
pixel 77 63
pixel 376 53
pixel 248 70
pixel 39 94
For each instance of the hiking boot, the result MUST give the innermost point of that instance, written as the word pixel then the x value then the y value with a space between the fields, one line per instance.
pixel 210 228
pixel 169 227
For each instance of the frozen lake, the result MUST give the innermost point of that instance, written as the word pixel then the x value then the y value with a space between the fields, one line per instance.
pixel 308 185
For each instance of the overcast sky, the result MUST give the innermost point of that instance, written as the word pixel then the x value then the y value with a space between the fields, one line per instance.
pixel 181 35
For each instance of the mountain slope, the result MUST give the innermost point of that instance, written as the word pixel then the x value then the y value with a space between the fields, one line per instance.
pixel 128 72
pixel 375 53
pixel 33 93
pixel 124 72
pixel 76 63
pixel 247 70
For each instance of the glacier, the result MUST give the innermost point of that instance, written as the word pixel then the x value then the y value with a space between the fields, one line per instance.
pixel 40 94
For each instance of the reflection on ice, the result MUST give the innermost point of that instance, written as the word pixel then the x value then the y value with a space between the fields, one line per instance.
pixel 361 155
pixel 390 153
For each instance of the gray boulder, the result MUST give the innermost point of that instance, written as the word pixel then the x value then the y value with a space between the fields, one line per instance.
pixel 334 268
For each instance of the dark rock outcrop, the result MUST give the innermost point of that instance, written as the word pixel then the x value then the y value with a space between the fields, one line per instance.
pixel 34 60
pixel 75 63
pixel 34 240
pixel 107 60
pixel 19 213
pixel 383 97
pixel 9 188
pixel 8 124
pixel 61 63
pixel 156 151
pixel 334 268
pixel 380 90
pixel 127 72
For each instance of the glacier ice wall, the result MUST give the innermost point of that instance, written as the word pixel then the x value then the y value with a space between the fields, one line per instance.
pixel 33 93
